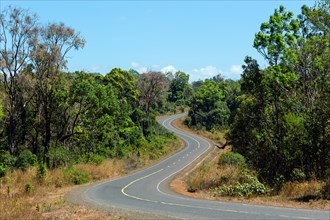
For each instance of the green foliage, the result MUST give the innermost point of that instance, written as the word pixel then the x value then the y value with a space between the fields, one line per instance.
pixel 42 172
pixel 180 90
pixel 7 160
pixel 233 159
pixel 28 188
pixel 251 187
pixel 3 171
pixel 207 107
pixel 26 159
pixel 298 175
pixel 283 110
pixel 95 159
pixel 77 177
pixel 58 155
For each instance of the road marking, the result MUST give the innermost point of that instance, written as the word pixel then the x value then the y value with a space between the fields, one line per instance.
pixel 131 183
pixel 174 204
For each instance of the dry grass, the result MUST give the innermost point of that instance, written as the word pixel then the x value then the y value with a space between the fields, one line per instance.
pixel 299 190
pixel 45 199
pixel 107 169
pixel 208 175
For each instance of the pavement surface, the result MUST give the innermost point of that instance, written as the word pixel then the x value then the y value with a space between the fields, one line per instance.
pixel 146 194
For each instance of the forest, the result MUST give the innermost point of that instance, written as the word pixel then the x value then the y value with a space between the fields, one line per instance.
pixel 278 117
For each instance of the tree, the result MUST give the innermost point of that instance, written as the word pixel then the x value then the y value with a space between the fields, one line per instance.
pixel 283 113
pixel 49 57
pixel 180 88
pixel 272 41
pixel 207 107
pixel 152 88
pixel 124 82
pixel 18 31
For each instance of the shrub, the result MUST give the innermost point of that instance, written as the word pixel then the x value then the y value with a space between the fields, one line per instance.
pixel 3 171
pixel 59 182
pixel 7 160
pixel 26 159
pixel 297 175
pixel 78 176
pixel 232 159
pixel 58 155
pixel 242 189
pixel 95 159
pixel 325 192
pixel 28 188
pixel 42 172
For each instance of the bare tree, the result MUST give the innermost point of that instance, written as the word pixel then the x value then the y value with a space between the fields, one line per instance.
pixel 152 87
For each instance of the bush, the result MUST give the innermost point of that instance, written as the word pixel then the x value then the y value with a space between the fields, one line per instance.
pixel 254 187
pixel 325 193
pixel 26 159
pixel 3 171
pixel 78 176
pixel 232 159
pixel 95 159
pixel 297 175
pixel 42 172
pixel 58 155
pixel 7 160
pixel 28 188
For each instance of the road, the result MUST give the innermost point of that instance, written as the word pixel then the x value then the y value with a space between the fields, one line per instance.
pixel 148 191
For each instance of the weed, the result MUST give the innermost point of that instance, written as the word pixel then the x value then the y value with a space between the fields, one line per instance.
pixel 28 188
pixel 232 159
pixel 78 176
pixel 42 172
pixel 300 190
pixel 297 175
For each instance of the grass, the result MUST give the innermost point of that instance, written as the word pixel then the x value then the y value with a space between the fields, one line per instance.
pixel 25 196
pixel 208 175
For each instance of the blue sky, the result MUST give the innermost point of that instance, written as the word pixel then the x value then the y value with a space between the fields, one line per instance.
pixel 201 38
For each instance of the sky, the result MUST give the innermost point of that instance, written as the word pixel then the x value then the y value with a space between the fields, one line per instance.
pixel 200 38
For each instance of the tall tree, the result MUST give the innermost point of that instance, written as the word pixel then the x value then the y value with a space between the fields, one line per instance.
pixel 207 107
pixel 152 88
pixel 49 57
pixel 18 31
pixel 180 88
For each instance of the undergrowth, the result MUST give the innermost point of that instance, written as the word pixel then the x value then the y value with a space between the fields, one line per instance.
pixel 25 193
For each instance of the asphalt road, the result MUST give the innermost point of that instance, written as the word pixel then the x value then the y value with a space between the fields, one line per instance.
pixel 147 191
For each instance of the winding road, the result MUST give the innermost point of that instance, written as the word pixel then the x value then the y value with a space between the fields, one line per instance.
pixel 147 191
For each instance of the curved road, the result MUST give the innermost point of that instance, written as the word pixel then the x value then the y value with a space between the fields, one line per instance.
pixel 147 191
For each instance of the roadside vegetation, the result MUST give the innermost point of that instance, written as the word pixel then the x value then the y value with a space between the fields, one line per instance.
pixel 59 128
pixel 227 176
pixel 276 119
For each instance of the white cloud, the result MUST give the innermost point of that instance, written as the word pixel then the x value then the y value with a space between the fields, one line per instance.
pixel 138 67
pixel 234 72
pixel 236 69
pixel 168 69
pixel 204 73
pixel 135 64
